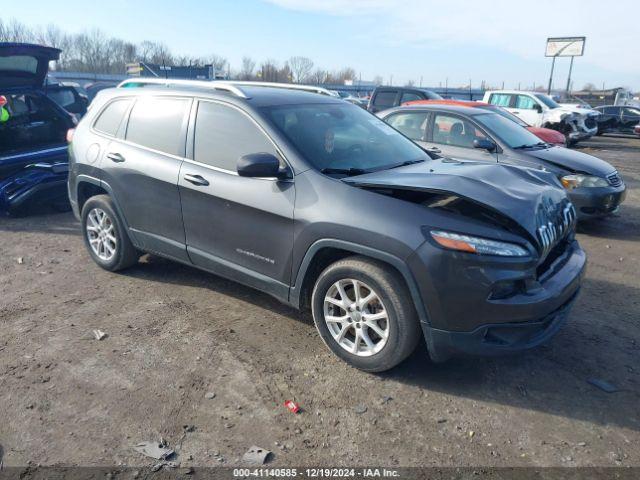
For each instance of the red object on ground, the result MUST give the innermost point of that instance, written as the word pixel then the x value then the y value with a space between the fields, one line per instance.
pixel 292 406
pixel 548 135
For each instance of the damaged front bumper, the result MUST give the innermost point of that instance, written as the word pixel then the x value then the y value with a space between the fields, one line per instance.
pixel 496 305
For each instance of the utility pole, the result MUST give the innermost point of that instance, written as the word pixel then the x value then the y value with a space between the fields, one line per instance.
pixel 420 81
pixel 553 64
pixel 569 77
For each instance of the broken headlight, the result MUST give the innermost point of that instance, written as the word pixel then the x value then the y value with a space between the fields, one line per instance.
pixel 574 181
pixel 484 246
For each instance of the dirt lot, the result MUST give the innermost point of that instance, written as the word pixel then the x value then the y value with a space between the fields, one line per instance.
pixel 175 333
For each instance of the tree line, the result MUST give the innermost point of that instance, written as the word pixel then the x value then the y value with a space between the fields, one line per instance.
pixel 96 52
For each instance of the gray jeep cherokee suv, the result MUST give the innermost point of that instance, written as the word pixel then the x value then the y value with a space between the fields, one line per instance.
pixel 324 206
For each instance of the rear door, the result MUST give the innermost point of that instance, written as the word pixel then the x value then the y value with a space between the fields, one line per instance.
pixel 238 227
pixel 142 170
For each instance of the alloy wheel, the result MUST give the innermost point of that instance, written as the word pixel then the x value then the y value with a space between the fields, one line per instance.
pixel 101 234
pixel 356 317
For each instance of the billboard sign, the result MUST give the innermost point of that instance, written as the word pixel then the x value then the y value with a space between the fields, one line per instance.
pixel 565 47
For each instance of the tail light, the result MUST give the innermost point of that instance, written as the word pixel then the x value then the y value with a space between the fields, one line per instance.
pixel 70 133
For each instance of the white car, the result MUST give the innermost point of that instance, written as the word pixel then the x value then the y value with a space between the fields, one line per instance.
pixel 540 110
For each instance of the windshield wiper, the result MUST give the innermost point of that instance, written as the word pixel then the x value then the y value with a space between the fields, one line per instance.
pixel 532 145
pixel 404 164
pixel 346 171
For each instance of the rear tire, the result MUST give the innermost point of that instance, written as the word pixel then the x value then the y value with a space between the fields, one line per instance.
pixel 376 326
pixel 105 235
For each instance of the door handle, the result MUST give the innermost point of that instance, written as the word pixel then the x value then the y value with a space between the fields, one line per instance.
pixel 115 157
pixel 196 180
pixel 516 113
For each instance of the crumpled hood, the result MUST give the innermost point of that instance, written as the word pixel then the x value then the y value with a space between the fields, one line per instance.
pixel 573 161
pixel 524 195
pixel 580 110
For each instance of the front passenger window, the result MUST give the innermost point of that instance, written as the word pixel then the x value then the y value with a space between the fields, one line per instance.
pixel 525 103
pixel 455 131
pixel 224 134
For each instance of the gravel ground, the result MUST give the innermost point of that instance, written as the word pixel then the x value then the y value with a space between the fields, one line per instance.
pixel 176 333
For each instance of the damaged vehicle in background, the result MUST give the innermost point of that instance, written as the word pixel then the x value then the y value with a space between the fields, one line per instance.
pixel 540 110
pixel 552 137
pixel 324 206
pixel 33 132
pixel 472 133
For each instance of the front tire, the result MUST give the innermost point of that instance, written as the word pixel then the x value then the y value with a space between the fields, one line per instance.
pixel 364 314
pixel 105 236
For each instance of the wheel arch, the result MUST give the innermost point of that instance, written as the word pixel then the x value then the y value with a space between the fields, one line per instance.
pixel 324 252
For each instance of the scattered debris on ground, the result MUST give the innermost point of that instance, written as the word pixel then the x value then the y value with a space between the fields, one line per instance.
pixel 359 409
pixel 256 456
pixel 157 450
pixel 293 407
pixel 99 334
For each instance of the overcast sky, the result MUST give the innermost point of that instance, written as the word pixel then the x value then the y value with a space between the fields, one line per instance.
pixel 457 40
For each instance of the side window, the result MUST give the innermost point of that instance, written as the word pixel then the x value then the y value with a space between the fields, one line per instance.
pixel 156 122
pixel 611 110
pixel 631 112
pixel 224 134
pixel 109 120
pixel 410 97
pixel 455 131
pixel 500 99
pixel 525 102
pixel 412 125
pixel 385 98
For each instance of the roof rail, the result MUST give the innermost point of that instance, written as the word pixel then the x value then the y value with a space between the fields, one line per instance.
pixel 169 82
pixel 286 86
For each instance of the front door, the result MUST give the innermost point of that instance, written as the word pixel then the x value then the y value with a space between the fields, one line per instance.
pixel 238 227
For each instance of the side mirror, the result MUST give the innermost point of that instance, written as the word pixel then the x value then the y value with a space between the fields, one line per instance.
pixel 261 165
pixel 537 108
pixel 484 144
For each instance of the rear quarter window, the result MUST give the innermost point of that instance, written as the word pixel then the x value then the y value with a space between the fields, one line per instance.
pixel 111 117
pixel 156 123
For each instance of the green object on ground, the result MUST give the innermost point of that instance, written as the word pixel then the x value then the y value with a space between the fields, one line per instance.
pixel 4 115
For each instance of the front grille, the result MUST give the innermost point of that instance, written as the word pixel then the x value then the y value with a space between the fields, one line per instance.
pixel 614 179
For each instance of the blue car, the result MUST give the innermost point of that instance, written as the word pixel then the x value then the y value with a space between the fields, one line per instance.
pixel 33 130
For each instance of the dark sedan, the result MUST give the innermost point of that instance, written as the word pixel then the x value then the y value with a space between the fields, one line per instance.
pixel 594 186
pixel 618 119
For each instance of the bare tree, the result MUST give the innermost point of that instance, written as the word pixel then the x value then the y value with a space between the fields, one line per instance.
pixel 343 75
pixel 220 64
pixel 15 31
pixel 589 87
pixel 301 68
pixel 268 71
pixel 248 68
pixel 410 83
pixel 319 76
pixel 378 80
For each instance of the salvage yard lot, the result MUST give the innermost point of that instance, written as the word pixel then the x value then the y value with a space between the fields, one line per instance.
pixel 176 333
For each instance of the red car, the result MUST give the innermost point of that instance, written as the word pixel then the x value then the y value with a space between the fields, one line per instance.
pixel 546 134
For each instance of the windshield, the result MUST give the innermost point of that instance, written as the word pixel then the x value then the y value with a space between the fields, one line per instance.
pixel 548 101
pixel 509 132
pixel 343 138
